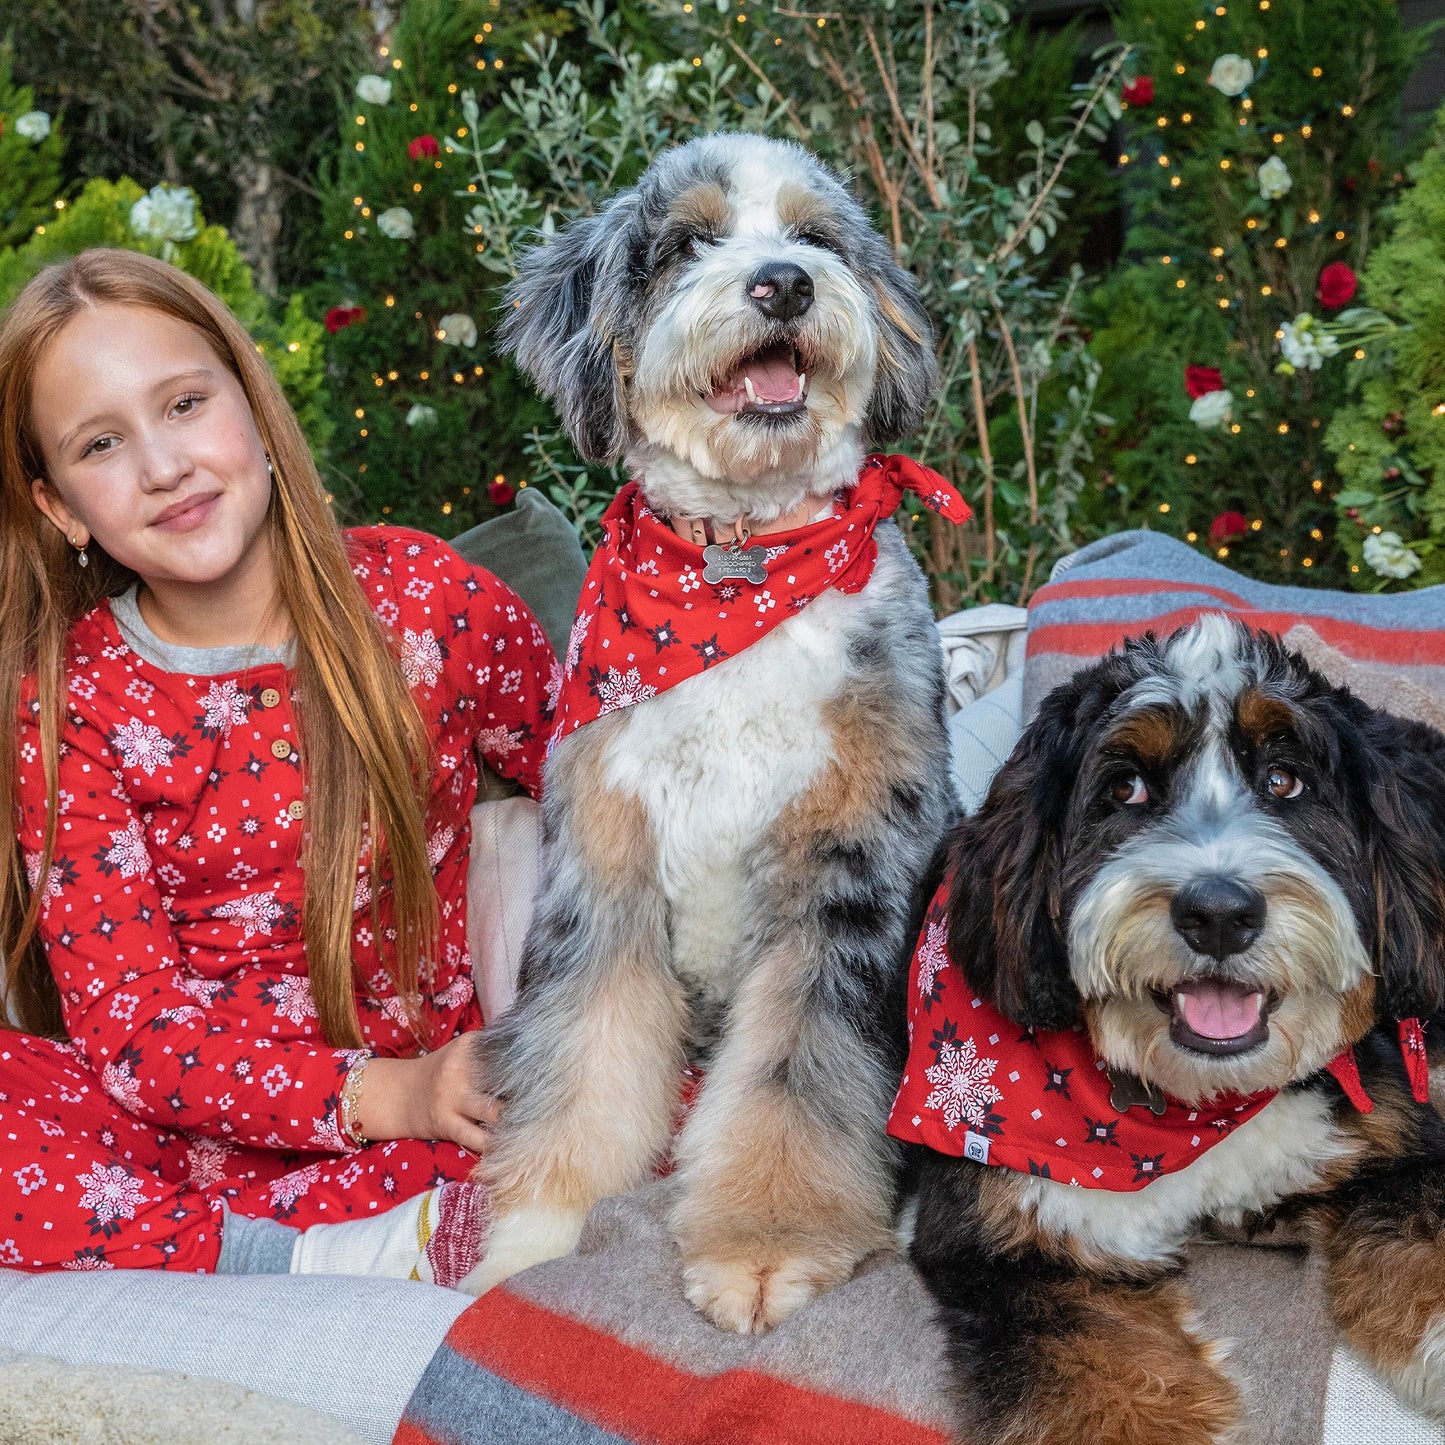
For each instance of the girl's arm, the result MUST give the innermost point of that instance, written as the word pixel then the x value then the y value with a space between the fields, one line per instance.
pixel 225 1058
pixel 513 672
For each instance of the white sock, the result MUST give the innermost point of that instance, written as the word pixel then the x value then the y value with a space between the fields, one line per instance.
pixel 436 1237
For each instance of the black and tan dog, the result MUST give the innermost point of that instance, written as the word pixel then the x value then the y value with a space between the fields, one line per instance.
pixel 1163 994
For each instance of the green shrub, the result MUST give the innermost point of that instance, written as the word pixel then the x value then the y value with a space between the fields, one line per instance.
pixel 1389 443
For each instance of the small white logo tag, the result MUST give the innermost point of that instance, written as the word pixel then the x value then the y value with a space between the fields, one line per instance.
pixel 975 1147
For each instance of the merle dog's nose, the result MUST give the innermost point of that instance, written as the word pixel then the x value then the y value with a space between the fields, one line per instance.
pixel 781 290
pixel 1218 916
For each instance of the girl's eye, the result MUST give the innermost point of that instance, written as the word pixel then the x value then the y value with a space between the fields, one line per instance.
pixel 1130 791
pixel 1283 783
pixel 99 446
pixel 187 404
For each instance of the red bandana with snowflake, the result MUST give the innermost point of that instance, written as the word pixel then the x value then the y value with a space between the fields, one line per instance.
pixel 979 1086
pixel 649 619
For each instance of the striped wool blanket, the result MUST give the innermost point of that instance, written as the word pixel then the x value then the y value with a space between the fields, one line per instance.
pixel 1388 648
pixel 602 1347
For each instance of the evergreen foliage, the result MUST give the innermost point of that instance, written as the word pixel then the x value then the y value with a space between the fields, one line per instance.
pixel 1389 443
pixel 426 422
pixel 30 175
pixel 1223 261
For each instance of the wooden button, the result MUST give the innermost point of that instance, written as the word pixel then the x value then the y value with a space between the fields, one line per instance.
pixel 281 748
pixel 296 809
pixel 270 697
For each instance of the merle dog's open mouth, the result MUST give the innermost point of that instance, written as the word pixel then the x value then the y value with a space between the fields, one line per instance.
pixel 770 382
pixel 1216 1016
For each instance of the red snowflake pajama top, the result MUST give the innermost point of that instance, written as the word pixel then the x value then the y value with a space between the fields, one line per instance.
pixel 195 1072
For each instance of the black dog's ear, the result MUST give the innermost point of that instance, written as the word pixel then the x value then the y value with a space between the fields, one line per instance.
pixel 561 326
pixel 1400 772
pixel 1004 906
pixel 907 366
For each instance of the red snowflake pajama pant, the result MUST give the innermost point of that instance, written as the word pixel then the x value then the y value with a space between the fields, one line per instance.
pixel 84 1185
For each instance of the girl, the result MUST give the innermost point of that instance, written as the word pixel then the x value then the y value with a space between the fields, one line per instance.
pixel 233 921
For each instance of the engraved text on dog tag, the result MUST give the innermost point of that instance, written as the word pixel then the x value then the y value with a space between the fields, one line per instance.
pixel 1127 1090
pixel 732 561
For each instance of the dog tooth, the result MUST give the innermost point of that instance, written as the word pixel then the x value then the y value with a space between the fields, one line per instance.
pixel 802 386
pixel 752 395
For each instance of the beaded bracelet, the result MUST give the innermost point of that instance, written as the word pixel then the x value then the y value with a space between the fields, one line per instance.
pixel 350 1101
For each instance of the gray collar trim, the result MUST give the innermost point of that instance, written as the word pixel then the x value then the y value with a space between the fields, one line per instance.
pixel 195 661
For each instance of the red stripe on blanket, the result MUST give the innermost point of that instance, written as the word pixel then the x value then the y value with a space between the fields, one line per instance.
pixel 409 1434
pixel 1127 586
pixel 1367 644
pixel 631 1393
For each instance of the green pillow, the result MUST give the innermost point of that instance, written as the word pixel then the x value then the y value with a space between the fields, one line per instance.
pixel 534 549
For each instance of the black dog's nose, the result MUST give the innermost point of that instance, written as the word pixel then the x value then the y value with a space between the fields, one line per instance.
pixel 781 290
pixel 1218 916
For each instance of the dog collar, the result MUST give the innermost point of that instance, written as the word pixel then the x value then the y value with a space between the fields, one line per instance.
pixel 657 609
pixel 981 1087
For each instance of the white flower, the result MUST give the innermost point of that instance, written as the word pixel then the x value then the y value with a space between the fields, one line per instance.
pixel 396 224
pixel 457 329
pixel 660 82
pixel 33 125
pixel 1212 409
pixel 421 415
pixel 1231 74
pixel 1386 554
pixel 1274 179
pixel 1306 343
pixel 374 89
pixel 168 213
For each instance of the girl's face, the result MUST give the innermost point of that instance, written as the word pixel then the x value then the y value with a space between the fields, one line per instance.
pixel 149 446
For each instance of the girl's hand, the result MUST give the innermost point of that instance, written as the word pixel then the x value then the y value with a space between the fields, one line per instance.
pixel 433 1097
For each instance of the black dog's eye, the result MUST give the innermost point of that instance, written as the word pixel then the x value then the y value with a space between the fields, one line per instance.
pixel 1283 783
pixel 1130 791
pixel 814 238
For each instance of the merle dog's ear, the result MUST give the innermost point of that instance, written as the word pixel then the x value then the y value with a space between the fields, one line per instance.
pixel 1400 772
pixel 562 325
pixel 1004 929
pixel 907 366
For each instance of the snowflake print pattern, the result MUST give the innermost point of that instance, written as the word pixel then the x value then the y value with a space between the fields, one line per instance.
pixel 621 689
pixel 142 745
pixel 112 1192
pixel 254 912
pixel 127 853
pixel 576 639
pixel 421 657
pixel 498 742
pixel 932 960
pixel 291 998
pixel 224 706
pixel 962 1087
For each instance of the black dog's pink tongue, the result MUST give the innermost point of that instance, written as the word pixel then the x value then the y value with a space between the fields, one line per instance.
pixel 1215 1009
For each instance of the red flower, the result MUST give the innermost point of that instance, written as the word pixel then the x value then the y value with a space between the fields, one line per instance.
pixel 1337 284
pixel 1139 92
pixel 340 317
pixel 501 493
pixel 1228 525
pixel 424 146
pixel 1201 380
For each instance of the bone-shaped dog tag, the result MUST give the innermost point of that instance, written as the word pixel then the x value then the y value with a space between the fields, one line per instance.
pixel 732 561
pixel 1126 1090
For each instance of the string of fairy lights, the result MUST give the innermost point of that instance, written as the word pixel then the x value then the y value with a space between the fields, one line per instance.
pixel 1255 228
pixel 363 211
